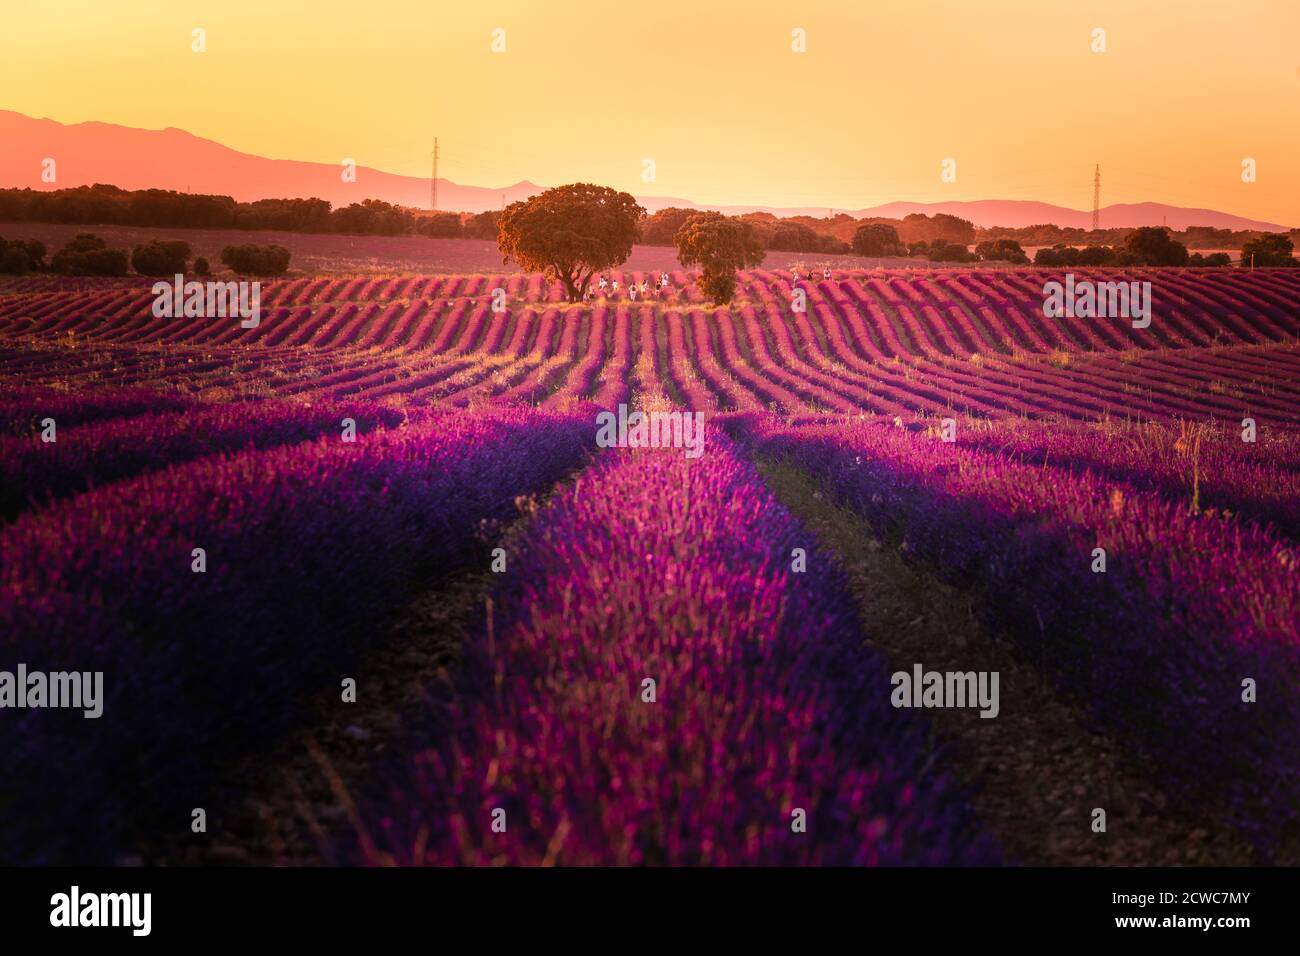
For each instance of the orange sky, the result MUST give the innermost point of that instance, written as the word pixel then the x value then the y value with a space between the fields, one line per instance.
pixel 710 90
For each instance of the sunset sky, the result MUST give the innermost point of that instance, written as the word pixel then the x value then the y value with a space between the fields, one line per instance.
pixel 711 91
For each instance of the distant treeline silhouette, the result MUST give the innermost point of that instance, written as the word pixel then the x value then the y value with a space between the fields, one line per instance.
pixel 109 205
pixel 913 235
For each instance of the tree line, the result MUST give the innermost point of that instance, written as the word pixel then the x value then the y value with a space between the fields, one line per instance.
pixel 111 205
pixel 87 254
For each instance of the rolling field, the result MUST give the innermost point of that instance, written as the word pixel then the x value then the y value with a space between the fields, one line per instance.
pixel 400 481
pixel 343 254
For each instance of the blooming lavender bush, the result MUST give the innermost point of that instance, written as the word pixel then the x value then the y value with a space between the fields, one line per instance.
pixel 766 702
pixel 1157 647
pixel 308 550
pixel 103 451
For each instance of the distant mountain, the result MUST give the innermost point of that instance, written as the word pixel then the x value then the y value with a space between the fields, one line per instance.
pixel 88 153
pixel 1015 213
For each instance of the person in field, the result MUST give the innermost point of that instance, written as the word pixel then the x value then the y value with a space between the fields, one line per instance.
pixel 603 283
pixel 631 292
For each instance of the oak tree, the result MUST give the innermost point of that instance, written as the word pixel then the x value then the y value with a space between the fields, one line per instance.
pixel 719 245
pixel 570 233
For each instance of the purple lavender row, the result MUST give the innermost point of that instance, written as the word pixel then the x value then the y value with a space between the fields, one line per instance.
pixel 33 472
pixel 22 410
pixel 1211 469
pixel 306 551
pixel 766 706
pixel 1160 645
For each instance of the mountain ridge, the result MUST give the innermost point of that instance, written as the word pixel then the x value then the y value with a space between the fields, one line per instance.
pixel 95 151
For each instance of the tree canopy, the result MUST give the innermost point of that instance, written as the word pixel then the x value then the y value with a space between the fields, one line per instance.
pixel 1153 246
pixel 719 245
pixel 877 239
pixel 570 232
pixel 1271 250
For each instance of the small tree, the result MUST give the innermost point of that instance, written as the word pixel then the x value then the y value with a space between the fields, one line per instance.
pixel 254 260
pixel 1153 246
pixel 14 260
pixel 89 255
pixel 20 256
pixel 1273 249
pixel 570 233
pixel 941 251
pixel 877 239
pixel 1001 250
pixel 1097 256
pixel 661 228
pixel 439 225
pixel 719 245
pixel 160 258
pixel 482 225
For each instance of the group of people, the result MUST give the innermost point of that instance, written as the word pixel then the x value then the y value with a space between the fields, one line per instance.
pixel 794 271
pixel 633 289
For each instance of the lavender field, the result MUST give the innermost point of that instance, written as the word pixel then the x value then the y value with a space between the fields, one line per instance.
pixel 403 576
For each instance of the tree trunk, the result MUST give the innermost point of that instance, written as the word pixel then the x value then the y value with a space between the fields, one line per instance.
pixel 574 293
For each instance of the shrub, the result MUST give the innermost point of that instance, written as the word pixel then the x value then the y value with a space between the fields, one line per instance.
pixel 14 261
pixel 201 267
pixel 1153 246
pixel 877 239
pixel 941 251
pixel 439 225
pixel 20 256
pixel 1271 250
pixel 1001 250
pixel 160 258
pixel 1097 256
pixel 661 228
pixel 89 255
pixel 250 259
pixel 482 226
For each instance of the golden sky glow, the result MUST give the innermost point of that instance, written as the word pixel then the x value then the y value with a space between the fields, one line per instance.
pixel 711 90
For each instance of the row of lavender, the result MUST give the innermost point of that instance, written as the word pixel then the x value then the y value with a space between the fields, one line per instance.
pixel 306 549
pixel 1187 645
pixel 656 685
pixel 1200 466
pixel 34 471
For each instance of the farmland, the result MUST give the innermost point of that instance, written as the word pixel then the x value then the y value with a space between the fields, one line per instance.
pixel 396 480
pixel 342 254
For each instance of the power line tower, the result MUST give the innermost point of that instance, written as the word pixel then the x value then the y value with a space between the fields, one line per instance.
pixel 1096 198
pixel 433 182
